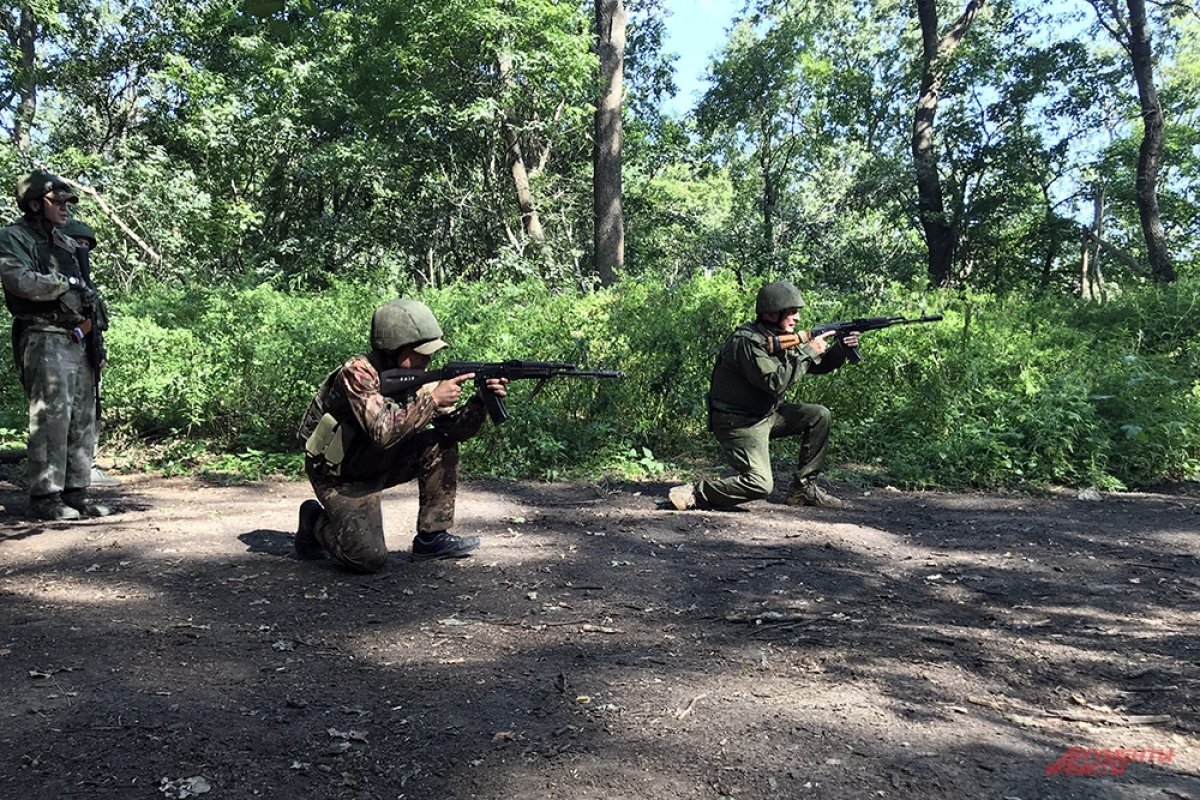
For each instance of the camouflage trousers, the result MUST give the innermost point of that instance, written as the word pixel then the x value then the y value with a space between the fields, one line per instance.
pixel 61 387
pixel 748 451
pixel 351 526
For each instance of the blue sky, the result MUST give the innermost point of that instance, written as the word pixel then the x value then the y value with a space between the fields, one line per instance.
pixel 695 29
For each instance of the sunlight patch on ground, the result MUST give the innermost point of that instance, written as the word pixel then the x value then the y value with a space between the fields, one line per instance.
pixel 71 591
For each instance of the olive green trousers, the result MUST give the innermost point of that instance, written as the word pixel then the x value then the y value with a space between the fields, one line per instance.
pixel 748 451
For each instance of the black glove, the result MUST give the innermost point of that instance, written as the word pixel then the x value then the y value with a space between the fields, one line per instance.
pixel 88 295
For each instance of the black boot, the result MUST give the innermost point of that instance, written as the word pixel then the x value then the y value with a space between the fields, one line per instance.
pixel 440 544
pixel 307 546
pixel 51 507
pixel 78 500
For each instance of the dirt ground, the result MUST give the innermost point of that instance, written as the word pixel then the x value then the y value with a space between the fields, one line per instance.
pixel 919 645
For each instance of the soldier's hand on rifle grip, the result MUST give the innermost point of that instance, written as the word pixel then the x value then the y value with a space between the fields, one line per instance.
pixel 448 392
pixel 850 340
pixel 821 343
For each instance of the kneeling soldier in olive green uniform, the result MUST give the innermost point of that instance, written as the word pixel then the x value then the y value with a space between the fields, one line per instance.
pixel 56 315
pixel 359 442
pixel 746 408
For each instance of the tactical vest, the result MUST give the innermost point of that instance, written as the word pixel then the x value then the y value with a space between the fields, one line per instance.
pixel 329 399
pixel 330 433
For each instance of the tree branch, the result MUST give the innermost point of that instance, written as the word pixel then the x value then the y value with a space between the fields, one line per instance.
pixel 1117 29
pixel 150 252
pixel 1177 5
pixel 1121 255
pixel 959 29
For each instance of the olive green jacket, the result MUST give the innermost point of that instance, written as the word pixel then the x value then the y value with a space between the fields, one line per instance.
pixel 749 384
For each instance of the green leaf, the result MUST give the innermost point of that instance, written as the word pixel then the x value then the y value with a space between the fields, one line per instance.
pixel 263 8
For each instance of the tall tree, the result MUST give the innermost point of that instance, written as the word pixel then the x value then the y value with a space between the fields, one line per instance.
pixel 515 157
pixel 609 230
pixel 1129 28
pixel 758 111
pixel 936 52
pixel 20 25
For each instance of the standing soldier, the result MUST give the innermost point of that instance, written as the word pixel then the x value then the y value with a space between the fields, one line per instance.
pixel 85 241
pixel 55 311
pixel 359 442
pixel 746 407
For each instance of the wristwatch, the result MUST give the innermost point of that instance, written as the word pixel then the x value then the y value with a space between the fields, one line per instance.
pixel 72 282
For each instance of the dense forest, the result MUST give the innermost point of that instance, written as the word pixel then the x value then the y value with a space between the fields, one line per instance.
pixel 262 173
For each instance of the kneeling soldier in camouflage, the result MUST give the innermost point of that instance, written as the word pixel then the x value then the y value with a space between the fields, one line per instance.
pixel 359 442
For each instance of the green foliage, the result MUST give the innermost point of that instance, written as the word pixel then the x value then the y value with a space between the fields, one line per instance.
pixel 676 216
pixel 289 152
pixel 237 368
pixel 1008 391
pixel 1003 392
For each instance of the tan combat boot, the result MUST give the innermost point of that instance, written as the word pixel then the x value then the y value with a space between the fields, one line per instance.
pixel 807 493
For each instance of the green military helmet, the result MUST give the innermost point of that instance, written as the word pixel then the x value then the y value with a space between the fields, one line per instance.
pixel 401 323
pixel 39 183
pixel 776 297
pixel 74 229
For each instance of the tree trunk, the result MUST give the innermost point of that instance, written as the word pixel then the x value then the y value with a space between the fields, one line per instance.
pixel 939 234
pixel 1052 243
pixel 1149 152
pixel 1092 278
pixel 609 223
pixel 530 221
pixel 770 198
pixel 26 79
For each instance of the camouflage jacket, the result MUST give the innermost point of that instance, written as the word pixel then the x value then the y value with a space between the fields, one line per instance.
pixel 34 269
pixel 351 394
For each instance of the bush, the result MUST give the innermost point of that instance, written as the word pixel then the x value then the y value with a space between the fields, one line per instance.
pixel 1004 391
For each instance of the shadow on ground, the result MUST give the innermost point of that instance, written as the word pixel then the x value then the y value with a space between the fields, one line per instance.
pixel 916 646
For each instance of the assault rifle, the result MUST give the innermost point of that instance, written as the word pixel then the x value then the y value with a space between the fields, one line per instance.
pixel 841 330
pixel 399 381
